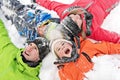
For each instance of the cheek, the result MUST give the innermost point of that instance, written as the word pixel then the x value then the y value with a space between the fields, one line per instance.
pixel 79 22
pixel 35 56
pixel 27 48
pixel 60 54
pixel 40 31
pixel 74 19
pixel 34 52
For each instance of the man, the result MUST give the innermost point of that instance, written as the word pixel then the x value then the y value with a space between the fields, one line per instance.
pixel 85 14
pixel 20 64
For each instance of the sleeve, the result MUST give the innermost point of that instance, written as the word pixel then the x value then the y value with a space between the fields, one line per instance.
pixel 6 45
pixel 4 37
pixel 106 48
pixel 53 5
pixel 102 34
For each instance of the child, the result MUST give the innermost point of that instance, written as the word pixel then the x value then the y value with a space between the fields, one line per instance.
pixel 85 14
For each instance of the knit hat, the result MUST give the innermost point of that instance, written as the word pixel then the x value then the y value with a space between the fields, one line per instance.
pixel 74 54
pixel 69 23
pixel 43 46
pixel 49 28
pixel 53 42
pixel 59 31
pixel 46 21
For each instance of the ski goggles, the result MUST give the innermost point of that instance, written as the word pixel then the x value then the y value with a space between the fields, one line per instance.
pixel 44 23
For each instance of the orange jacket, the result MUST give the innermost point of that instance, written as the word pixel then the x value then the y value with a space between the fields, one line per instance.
pixel 76 70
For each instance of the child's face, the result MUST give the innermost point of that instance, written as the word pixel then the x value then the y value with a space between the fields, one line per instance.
pixel 31 53
pixel 41 30
pixel 63 49
pixel 77 19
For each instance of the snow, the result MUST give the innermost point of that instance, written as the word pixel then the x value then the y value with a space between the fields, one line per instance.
pixel 106 67
pixel 15 37
pixel 112 21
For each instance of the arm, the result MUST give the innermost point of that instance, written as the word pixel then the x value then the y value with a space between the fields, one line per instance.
pixel 4 38
pixel 53 5
pixel 6 46
pixel 105 48
pixel 102 34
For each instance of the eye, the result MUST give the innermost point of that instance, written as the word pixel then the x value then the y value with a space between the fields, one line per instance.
pixel 30 44
pixel 35 48
pixel 63 43
pixel 58 49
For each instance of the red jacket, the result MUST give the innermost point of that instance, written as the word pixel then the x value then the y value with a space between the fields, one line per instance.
pixel 98 8
pixel 76 70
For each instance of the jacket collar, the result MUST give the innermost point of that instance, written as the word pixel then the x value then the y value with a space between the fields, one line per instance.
pixel 23 67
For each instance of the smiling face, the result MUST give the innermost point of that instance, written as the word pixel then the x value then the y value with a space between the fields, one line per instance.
pixel 31 53
pixel 63 49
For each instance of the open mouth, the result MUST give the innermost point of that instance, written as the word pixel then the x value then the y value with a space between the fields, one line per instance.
pixel 67 51
pixel 26 53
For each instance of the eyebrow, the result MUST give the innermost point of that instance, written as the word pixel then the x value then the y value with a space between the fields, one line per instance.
pixel 56 49
pixel 57 46
pixel 34 45
pixel 60 43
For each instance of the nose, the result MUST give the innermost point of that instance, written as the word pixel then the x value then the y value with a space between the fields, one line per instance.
pixel 77 17
pixel 29 48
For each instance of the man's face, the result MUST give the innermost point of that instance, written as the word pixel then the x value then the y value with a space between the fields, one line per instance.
pixel 77 19
pixel 31 53
pixel 63 49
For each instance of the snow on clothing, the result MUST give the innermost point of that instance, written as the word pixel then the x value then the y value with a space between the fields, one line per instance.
pixel 11 65
pixel 98 8
pixel 76 70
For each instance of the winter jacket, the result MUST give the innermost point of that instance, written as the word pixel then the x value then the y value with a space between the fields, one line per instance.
pixel 98 8
pixel 76 70
pixel 11 65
